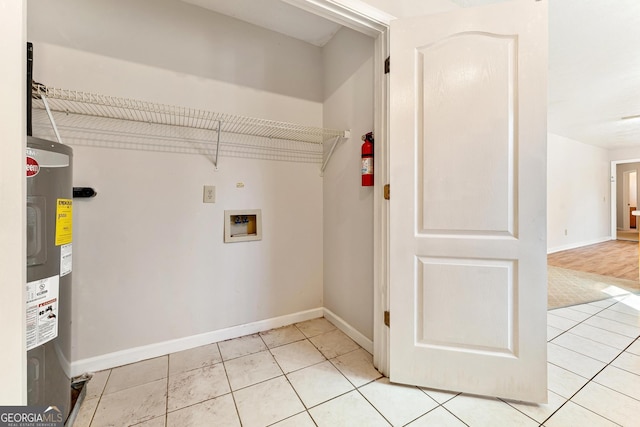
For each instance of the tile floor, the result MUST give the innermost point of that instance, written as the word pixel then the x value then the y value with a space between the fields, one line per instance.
pixel 311 374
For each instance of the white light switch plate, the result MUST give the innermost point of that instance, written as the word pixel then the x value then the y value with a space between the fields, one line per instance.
pixel 209 194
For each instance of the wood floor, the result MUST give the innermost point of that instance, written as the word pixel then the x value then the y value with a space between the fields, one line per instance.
pixel 615 258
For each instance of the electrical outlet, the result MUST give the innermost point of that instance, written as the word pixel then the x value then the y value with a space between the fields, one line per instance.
pixel 209 194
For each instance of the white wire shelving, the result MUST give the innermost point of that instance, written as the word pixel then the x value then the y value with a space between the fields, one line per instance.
pixel 103 121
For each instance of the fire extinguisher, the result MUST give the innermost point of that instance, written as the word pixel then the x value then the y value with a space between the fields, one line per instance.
pixel 367 160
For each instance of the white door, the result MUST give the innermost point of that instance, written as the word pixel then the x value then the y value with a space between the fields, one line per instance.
pixel 468 280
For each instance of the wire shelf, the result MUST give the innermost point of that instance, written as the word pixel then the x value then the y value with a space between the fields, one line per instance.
pixel 98 120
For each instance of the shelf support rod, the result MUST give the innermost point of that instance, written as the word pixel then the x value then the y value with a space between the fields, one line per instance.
pixel 333 147
pixel 51 119
pixel 215 163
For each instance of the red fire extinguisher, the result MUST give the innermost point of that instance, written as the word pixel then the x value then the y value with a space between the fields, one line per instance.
pixel 367 160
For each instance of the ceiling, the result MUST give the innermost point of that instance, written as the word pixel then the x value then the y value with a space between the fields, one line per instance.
pixel 594 60
pixel 275 15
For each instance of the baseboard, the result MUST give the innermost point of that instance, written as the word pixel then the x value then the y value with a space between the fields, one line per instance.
pixel 136 354
pixel 349 330
pixel 578 245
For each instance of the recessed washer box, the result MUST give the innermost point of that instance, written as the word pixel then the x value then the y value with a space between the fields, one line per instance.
pixel 242 225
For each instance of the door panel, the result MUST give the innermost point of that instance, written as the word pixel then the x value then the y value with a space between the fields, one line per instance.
pixel 468 212
pixel 487 111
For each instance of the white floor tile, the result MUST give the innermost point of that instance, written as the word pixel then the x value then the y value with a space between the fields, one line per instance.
pixel 564 382
pixel 572 415
pixel 439 417
pixel 96 384
pixel 314 327
pixel 132 405
pixel 487 412
pixel 86 412
pixel 632 300
pixel 220 411
pixel 608 403
pixel 620 381
pixel 603 303
pixel 251 369
pixel 440 396
pixel 629 362
pixel 137 394
pixel 301 420
pixel 575 362
pixel 586 308
pixel 593 349
pixel 399 404
pixel 194 358
pixel 348 410
pixel 357 366
pixel 570 313
pixel 297 355
pixel 333 344
pixel 136 374
pixel 561 323
pixel 553 332
pixel 282 336
pixel 319 383
pixel 627 307
pixel 267 403
pixel 242 346
pixel 627 319
pixel 600 335
pixel 540 412
pixel 612 326
pixel 155 422
pixel 196 386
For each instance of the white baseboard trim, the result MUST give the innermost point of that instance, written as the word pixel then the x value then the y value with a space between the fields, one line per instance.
pixel 349 330
pixel 136 354
pixel 578 245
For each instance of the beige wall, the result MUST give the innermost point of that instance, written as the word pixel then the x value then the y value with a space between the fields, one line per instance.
pixel 150 265
pixel 578 194
pixel 348 207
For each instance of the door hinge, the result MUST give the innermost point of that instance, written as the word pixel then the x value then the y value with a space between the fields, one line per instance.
pixel 386 318
pixel 387 65
pixel 386 191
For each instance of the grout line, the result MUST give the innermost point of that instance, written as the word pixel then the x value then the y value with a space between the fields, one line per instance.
pixel 374 406
pixel 579 323
pixel 166 403
pixel 99 397
pixel 458 418
pixel 226 374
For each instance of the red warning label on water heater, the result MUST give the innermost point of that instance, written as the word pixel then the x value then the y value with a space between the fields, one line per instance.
pixel 32 167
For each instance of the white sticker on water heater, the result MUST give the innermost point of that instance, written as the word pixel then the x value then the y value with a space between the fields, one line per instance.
pixel 65 259
pixel 42 311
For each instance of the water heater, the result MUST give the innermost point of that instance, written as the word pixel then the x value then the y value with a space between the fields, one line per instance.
pixel 49 266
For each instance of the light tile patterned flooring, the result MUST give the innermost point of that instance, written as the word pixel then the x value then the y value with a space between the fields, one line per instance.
pixel 311 374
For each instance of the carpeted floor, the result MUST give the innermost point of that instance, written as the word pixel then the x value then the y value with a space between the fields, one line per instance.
pixel 570 287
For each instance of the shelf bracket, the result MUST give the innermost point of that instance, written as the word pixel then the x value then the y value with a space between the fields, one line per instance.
pixel 51 119
pixel 333 147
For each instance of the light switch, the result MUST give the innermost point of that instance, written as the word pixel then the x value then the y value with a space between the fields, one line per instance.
pixel 209 194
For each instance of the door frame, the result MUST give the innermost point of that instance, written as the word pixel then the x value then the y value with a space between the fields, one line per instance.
pixel 626 184
pixel 375 23
pixel 614 195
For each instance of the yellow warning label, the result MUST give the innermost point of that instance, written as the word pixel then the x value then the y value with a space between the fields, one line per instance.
pixel 64 221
